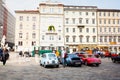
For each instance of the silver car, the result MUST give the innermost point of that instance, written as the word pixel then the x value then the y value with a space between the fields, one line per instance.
pixel 49 59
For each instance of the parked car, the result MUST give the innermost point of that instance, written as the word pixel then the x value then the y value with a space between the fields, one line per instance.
pixel 49 59
pixel 73 60
pixel 115 59
pixel 89 59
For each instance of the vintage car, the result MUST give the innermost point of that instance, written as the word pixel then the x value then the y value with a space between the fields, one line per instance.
pixel 89 59
pixel 49 59
pixel 115 59
pixel 73 60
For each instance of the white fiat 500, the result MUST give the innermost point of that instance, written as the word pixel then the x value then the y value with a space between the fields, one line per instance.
pixel 49 59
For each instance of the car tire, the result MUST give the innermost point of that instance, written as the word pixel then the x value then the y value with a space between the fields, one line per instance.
pixel 44 65
pixel 57 66
pixel 86 63
pixel 113 61
pixel 97 65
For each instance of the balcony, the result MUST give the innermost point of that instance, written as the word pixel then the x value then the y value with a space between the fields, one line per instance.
pixel 51 33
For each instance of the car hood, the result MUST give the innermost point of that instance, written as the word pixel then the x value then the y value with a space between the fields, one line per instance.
pixel 93 59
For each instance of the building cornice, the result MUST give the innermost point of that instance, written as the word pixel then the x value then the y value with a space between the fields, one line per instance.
pixel 108 10
pixel 27 11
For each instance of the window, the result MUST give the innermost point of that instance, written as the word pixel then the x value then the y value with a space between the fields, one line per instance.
pixel 118 38
pixel 59 37
pixel 20 35
pixel 100 21
pixel 27 18
pixel 101 39
pixel 87 38
pixel 80 20
pixel 33 18
pixel 118 21
pixel 43 9
pixel 51 10
pixel 94 38
pixel 104 14
pixel 67 30
pixel 114 29
pixel 20 43
pixel 67 21
pixel 99 13
pixel 105 39
pixel 74 37
pixel 21 18
pixel 86 13
pixel 87 30
pixel 104 21
pixel 113 21
pixel 87 21
pixel 81 37
pixel 93 13
pixel 93 21
pixel 43 37
pixel 73 20
pixel 108 13
pixel 51 37
pixel 100 29
pixel 59 10
pixel 113 14
pixel 110 38
pixel 109 29
pixel 118 29
pixel 105 29
pixel 80 29
pixel 34 26
pixel 109 21
pixel 114 39
pixel 80 13
pixel 33 35
pixel 93 30
pixel 21 26
pixel 26 35
pixel 67 39
pixel 73 29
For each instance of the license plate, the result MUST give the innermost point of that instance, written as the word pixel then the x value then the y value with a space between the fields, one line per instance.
pixel 77 63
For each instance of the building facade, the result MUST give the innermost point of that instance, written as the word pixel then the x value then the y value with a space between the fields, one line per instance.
pixel 58 25
pixel 109 28
pixel 7 24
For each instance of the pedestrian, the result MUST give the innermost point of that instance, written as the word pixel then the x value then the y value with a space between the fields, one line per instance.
pixel 21 53
pixel 1 51
pixel 5 56
pixel 63 56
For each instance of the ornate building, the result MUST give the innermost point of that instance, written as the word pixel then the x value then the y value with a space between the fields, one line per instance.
pixel 54 25
pixel 7 24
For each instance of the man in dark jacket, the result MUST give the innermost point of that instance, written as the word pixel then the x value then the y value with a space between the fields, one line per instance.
pixel 5 56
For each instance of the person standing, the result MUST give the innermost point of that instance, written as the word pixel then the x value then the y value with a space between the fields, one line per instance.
pixel 63 54
pixel 5 56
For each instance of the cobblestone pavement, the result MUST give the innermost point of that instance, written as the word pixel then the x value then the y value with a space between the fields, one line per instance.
pixel 18 68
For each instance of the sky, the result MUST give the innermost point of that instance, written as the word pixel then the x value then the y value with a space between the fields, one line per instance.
pixel 33 4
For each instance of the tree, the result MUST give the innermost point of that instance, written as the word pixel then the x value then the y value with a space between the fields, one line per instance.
pixel 51 28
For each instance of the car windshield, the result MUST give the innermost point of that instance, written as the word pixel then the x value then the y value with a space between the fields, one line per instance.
pixel 89 56
pixel 72 55
pixel 51 55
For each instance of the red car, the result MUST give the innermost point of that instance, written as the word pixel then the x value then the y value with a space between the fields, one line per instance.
pixel 89 59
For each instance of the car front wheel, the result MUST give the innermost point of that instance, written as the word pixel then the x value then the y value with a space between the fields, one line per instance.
pixel 86 63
